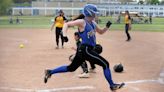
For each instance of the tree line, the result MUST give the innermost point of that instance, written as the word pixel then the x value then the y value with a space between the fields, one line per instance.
pixel 6 5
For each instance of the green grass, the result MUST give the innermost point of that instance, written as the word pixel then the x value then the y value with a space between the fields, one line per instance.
pixel 25 4
pixel 138 27
pixel 157 25
pixel 27 22
pixel 45 22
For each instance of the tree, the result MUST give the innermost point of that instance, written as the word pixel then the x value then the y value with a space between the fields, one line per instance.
pixel 141 2
pixel 5 6
pixel 22 1
pixel 125 1
pixel 152 1
pixel 162 3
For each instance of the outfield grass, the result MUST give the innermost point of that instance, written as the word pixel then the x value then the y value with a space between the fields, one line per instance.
pixel 45 22
pixel 27 22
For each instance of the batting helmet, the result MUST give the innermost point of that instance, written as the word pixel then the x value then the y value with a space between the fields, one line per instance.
pixel 90 10
pixel 118 68
pixel 98 49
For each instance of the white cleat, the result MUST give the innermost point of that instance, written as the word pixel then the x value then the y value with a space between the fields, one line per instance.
pixel 84 75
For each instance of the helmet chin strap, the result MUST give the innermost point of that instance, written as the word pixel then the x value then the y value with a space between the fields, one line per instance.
pixel 89 19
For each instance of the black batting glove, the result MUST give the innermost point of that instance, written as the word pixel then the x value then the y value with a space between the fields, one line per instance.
pixel 65 38
pixel 108 24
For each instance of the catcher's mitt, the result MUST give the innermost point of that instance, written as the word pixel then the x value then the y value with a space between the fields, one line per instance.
pixel 98 49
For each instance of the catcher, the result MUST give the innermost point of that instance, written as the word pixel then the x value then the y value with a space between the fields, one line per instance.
pixel 84 66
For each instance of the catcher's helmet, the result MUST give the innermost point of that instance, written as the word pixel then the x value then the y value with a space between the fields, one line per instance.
pixel 90 10
pixel 118 68
pixel 98 49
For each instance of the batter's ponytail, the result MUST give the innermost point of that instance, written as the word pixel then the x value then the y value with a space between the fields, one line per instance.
pixel 81 16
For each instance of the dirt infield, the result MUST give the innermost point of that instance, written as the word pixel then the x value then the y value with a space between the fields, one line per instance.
pixel 22 69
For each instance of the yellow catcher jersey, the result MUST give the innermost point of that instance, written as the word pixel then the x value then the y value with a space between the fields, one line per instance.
pixel 59 21
pixel 127 20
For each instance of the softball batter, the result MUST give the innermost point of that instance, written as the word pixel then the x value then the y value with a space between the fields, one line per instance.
pixel 87 28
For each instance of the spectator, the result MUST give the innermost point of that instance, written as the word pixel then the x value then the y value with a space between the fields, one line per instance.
pixel 11 20
pixel 150 19
pixel 17 20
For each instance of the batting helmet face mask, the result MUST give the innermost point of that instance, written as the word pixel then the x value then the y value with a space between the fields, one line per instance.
pixel 90 10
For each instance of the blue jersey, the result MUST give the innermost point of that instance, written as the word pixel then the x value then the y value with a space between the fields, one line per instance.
pixel 88 35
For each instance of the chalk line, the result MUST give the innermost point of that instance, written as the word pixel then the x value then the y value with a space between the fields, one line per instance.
pixel 66 89
pixel 161 77
pixel 49 90
pixel 140 81
pixel 17 89
pixel 160 80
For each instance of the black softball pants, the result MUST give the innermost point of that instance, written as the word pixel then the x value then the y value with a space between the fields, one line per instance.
pixel 126 31
pixel 86 52
pixel 59 34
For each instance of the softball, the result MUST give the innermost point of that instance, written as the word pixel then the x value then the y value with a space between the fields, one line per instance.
pixel 21 46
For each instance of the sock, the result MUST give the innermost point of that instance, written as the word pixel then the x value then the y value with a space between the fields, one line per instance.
pixel 108 76
pixel 60 69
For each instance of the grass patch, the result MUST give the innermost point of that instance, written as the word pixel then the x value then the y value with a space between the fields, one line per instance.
pixel 45 22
